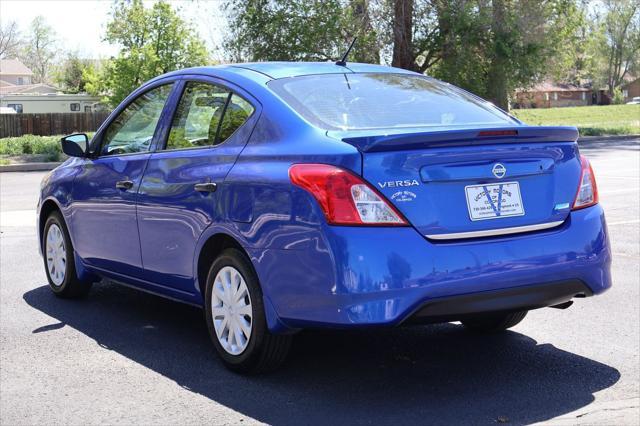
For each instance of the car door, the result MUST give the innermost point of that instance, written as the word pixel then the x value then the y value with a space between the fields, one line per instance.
pixel 104 193
pixel 176 201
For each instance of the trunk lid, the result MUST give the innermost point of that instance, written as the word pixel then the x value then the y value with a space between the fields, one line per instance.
pixel 471 182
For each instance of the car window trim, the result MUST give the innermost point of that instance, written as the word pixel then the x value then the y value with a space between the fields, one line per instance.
pixel 215 81
pixel 129 100
pixel 224 111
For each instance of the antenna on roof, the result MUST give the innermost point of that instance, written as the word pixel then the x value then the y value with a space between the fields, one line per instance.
pixel 343 62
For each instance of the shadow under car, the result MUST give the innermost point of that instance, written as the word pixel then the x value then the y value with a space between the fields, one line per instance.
pixel 437 374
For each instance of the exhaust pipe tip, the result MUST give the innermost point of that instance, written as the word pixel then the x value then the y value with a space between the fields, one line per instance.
pixel 564 305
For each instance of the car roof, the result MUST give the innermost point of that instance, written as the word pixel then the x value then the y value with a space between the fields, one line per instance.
pixel 276 70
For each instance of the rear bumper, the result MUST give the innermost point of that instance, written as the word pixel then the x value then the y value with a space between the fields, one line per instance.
pixel 504 300
pixel 384 276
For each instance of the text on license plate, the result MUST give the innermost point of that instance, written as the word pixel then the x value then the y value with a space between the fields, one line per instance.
pixel 494 201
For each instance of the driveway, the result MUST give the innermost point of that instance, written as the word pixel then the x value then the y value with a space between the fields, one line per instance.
pixel 122 356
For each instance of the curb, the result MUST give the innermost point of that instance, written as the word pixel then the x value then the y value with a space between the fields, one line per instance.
pixel 29 167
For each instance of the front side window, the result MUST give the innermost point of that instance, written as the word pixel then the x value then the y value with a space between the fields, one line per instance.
pixel 382 101
pixel 132 131
pixel 206 116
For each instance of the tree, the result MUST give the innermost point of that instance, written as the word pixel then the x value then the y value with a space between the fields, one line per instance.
pixel 490 47
pixel 153 41
pixel 497 80
pixel 10 42
pixel 403 51
pixel 73 72
pixel 459 44
pixel 300 30
pixel 573 61
pixel 621 41
pixel 425 32
pixel 40 49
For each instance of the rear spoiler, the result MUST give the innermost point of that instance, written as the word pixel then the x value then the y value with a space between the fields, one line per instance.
pixel 370 142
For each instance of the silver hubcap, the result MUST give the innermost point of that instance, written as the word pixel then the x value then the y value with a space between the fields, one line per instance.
pixel 56 255
pixel 231 310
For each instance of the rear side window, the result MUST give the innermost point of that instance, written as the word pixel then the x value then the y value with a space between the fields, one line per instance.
pixel 207 115
pixel 377 100
pixel 237 112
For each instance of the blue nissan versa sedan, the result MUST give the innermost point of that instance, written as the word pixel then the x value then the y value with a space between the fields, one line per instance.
pixel 284 196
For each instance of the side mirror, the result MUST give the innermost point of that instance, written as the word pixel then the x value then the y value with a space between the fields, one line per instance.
pixel 75 145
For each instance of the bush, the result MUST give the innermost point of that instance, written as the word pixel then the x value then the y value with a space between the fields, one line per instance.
pixel 49 146
pixel 31 144
pixel 618 98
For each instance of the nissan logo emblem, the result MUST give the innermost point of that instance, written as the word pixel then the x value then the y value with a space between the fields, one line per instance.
pixel 499 170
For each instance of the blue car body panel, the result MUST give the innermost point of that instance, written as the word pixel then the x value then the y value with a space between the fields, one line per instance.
pixel 104 217
pixel 314 274
pixel 352 278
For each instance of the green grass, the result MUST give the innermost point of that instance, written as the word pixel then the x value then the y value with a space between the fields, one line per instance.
pixel 590 120
pixel 49 146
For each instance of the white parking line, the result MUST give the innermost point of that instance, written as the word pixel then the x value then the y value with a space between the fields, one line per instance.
pixel 624 222
pixel 632 256
pixel 18 218
pixel 620 191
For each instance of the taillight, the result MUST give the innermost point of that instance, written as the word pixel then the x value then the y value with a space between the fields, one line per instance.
pixel 587 190
pixel 344 197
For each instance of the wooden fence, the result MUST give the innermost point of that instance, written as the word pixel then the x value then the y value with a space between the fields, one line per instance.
pixel 50 123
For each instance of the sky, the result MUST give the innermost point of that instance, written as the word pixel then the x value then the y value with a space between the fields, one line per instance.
pixel 80 24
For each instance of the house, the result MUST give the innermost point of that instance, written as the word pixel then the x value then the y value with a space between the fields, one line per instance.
pixel 14 72
pixel 631 89
pixel 17 91
pixel 38 88
pixel 548 94
pixel 33 103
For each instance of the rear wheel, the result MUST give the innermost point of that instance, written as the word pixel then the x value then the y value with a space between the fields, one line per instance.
pixel 59 259
pixel 494 323
pixel 235 317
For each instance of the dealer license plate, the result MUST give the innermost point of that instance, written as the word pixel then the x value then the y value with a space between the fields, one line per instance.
pixel 494 201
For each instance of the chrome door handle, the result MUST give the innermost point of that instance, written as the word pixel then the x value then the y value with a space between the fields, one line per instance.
pixel 124 184
pixel 205 187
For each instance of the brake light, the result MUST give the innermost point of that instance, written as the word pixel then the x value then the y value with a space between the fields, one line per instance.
pixel 344 197
pixel 587 190
pixel 486 133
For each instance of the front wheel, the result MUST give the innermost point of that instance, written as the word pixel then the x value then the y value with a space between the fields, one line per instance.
pixel 236 319
pixel 495 322
pixel 59 259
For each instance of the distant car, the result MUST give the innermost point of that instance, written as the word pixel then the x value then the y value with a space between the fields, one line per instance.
pixel 634 101
pixel 286 196
pixel 7 110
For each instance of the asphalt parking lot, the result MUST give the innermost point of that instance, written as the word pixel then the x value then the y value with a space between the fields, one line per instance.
pixel 123 357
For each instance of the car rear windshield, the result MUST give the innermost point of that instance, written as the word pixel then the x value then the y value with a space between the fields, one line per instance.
pixel 377 101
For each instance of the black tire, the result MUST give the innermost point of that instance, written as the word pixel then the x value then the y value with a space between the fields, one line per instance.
pixel 264 351
pixel 71 287
pixel 494 323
